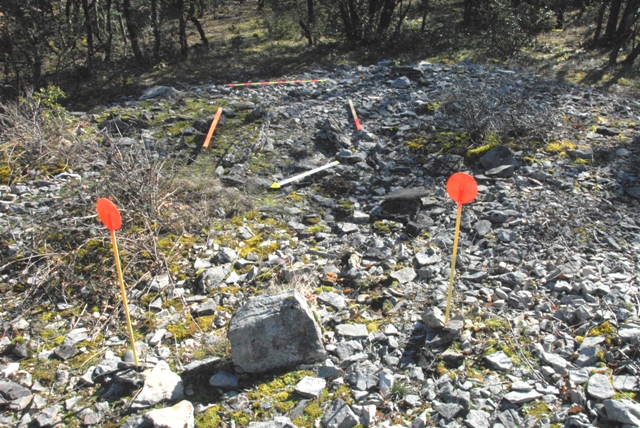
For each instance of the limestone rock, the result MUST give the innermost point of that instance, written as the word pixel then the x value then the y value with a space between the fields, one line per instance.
pixel 161 384
pixel 178 416
pixel 275 332
pixel 339 415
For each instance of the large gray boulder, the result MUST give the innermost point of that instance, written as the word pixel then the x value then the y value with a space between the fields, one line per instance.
pixel 275 332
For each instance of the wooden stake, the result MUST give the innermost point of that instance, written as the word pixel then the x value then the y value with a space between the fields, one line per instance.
pixel 116 255
pixel 355 118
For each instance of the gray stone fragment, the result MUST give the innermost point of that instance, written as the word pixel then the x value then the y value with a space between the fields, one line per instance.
pixel 401 82
pixel 386 382
pixel 334 300
pixel 623 411
pixel 179 416
pixel 626 383
pixel 310 387
pixel 477 419
pixel 512 278
pixel 47 417
pixel 65 351
pixel 579 376
pixel 277 422
pixel 433 317
pixel 634 192
pixel 506 235
pixel 509 418
pixel 275 332
pixel 339 415
pixel 90 417
pixel 159 283
pixel 448 410
pixel 443 164
pixel 224 380
pixel 362 376
pixel 159 91
pixel 76 336
pixel 587 357
pixel 502 171
pixel 207 308
pixel 355 331
pixel 426 257
pixel 498 156
pixel 500 361
pixel 11 391
pixel 160 384
pixel 214 276
pixel 135 421
pixel 517 397
pixel 368 415
pixel 600 387
pixel 591 341
pixel 347 348
pixel 482 227
pixel 628 333
pixel 404 275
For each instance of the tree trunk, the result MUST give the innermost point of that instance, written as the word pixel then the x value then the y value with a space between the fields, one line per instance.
pixel 599 21
pixel 156 30
pixel 355 19
pixel 627 20
pixel 308 26
pixel 109 25
pixel 89 30
pixel 133 30
pixel 628 61
pixel 386 15
pixel 612 21
pixel 401 18
pixel 203 36
pixel 425 10
pixel 184 44
pixel 347 24
pixel 466 13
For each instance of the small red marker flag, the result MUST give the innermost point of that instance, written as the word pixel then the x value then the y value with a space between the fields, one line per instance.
pixel 109 214
pixel 462 188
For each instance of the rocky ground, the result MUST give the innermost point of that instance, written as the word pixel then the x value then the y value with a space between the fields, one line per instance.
pixel 545 326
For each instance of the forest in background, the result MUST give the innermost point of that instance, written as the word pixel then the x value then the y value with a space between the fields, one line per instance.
pixel 97 48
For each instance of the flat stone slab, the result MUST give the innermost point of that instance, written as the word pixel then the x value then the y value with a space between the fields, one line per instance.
pixel 356 331
pixel 517 397
pixel 600 387
pixel 310 387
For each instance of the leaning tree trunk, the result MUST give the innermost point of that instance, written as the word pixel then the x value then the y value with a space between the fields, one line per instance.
pixel 201 32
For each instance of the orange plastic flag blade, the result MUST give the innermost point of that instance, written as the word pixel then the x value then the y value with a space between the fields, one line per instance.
pixel 109 214
pixel 462 188
pixel 216 119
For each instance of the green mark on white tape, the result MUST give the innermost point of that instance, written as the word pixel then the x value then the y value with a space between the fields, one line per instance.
pixel 279 184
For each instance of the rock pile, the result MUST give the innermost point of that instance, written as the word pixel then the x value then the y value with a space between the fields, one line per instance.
pixel 545 328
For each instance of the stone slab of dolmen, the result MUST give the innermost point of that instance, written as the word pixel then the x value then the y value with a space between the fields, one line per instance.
pixel 275 332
